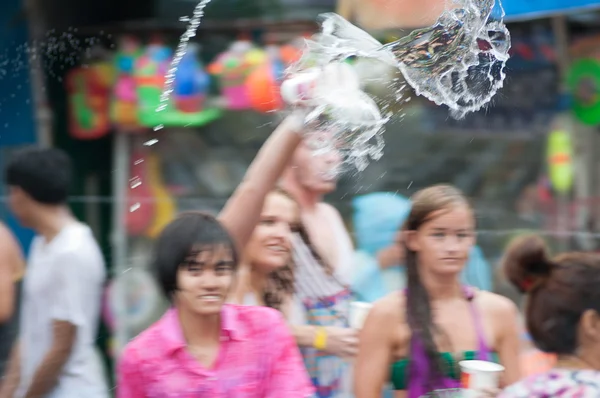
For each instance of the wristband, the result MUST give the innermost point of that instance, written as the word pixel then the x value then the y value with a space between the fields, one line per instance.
pixel 320 342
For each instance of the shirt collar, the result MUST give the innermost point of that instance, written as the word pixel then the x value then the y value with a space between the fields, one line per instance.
pixel 170 328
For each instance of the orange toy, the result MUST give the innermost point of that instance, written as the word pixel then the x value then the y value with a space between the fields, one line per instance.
pixel 263 90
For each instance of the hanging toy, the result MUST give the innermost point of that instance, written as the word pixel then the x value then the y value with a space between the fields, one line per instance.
pixel 232 68
pixel 191 82
pixel 263 84
pixel 124 104
pixel 150 71
pixel 89 100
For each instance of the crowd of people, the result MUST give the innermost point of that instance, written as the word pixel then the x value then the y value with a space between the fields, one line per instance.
pixel 260 295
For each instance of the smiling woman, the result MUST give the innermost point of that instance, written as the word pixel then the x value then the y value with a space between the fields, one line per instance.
pixel 266 275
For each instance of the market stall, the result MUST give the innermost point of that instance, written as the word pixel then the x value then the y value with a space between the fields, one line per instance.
pixel 193 154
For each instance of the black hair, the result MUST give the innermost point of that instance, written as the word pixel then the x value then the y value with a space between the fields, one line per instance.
pixel 43 173
pixel 180 238
pixel 418 306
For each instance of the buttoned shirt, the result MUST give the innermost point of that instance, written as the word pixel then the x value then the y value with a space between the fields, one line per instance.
pixel 257 358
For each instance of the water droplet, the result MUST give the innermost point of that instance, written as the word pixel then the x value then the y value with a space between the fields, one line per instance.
pixel 135 182
pixel 151 142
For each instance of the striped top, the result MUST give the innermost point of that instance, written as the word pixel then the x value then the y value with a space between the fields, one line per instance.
pixel 323 300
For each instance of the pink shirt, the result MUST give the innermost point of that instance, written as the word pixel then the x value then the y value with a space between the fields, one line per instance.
pixel 258 358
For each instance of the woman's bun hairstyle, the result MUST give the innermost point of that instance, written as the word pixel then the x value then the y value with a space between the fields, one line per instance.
pixel 527 263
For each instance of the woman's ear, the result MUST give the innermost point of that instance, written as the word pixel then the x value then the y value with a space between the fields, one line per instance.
pixel 410 238
pixel 590 324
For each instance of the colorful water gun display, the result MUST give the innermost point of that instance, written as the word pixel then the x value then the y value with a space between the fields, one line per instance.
pixel 89 100
pixel 127 91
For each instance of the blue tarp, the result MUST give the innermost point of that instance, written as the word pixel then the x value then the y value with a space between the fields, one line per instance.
pixel 531 9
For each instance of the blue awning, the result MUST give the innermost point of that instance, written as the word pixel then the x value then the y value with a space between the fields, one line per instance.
pixel 520 10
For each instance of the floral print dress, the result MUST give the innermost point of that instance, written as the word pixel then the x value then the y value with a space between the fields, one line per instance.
pixel 557 383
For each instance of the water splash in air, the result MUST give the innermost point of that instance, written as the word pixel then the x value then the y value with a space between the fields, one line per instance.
pixel 190 31
pixel 458 62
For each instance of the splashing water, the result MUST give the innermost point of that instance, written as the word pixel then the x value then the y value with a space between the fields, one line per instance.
pixel 181 50
pixel 458 62
pixel 190 31
pixel 465 52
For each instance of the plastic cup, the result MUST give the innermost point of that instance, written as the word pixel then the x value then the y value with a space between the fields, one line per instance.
pixel 305 86
pixel 477 375
pixel 358 313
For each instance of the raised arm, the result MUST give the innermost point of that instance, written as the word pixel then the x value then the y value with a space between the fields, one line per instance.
pixel 242 211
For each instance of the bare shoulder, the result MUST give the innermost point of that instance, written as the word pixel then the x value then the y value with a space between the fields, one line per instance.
pixel 11 252
pixel 389 308
pixel 498 305
pixel 328 209
pixel 7 238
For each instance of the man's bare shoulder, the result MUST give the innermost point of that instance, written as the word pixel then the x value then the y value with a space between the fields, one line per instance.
pixel 326 208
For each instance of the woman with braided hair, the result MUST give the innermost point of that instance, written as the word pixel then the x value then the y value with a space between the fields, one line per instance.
pixel 416 337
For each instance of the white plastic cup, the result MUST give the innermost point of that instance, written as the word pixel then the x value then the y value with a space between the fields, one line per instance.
pixel 477 375
pixel 312 83
pixel 300 87
pixel 358 313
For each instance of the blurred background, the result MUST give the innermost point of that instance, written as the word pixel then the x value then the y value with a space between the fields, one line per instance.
pixel 86 77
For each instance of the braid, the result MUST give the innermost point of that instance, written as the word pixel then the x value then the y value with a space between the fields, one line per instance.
pixel 418 305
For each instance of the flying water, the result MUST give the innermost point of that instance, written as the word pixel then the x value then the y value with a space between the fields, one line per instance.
pixel 458 62
pixel 190 31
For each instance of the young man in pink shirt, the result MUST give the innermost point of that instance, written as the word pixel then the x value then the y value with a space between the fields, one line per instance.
pixel 203 347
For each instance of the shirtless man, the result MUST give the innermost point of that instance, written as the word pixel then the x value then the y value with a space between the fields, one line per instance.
pixel 322 333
